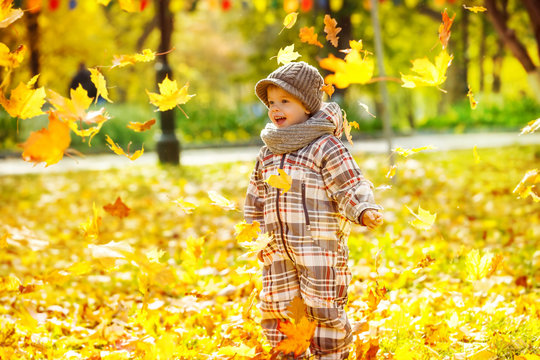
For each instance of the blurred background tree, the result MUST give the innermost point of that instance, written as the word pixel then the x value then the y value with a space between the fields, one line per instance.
pixel 222 47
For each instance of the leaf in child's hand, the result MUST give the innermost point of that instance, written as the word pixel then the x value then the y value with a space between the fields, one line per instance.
pixel 531 127
pixel 247 232
pixel 118 208
pixel 47 145
pixel 472 101
pixel 169 95
pixel 287 55
pixel 140 127
pixel 119 151
pixel 407 152
pixel 429 74
pixel 185 206
pixel 25 101
pixel 298 336
pixel 444 29
pixel 289 21
pixel 125 60
pixel 328 89
pixel 308 35
pixel 475 9
pixel 529 185
pixel 331 30
pixel 423 219
pixel 221 201
pixel 101 84
pixel 282 181
pixel 7 14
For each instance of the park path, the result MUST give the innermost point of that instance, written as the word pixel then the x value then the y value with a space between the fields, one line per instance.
pixel 194 157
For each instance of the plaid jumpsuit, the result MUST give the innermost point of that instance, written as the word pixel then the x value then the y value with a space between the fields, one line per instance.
pixel 309 226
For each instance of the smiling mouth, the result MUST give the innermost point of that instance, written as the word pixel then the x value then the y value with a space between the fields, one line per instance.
pixel 279 119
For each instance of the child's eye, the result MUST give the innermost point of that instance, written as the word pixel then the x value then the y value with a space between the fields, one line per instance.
pixel 271 102
pixel 284 101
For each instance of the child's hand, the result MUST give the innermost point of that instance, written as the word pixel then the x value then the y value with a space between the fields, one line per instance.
pixel 372 219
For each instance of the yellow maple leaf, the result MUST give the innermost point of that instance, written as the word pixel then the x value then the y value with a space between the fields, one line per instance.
pixel 429 74
pixel 531 127
pixel 529 185
pixel 119 151
pixel 101 84
pixel 8 15
pixel 169 95
pixel 221 201
pixel 125 60
pixel 423 219
pixel 475 9
pixel 289 21
pixel 247 232
pixel 11 59
pixel 25 102
pixel 408 152
pixel 47 145
pixel 287 55
pixel 308 35
pixel 281 181
pixel 186 206
pixel 355 68
pixel 298 336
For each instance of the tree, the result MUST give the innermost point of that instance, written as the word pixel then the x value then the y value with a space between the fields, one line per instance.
pixel 496 10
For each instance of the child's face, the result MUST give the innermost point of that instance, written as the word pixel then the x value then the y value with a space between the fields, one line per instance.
pixel 285 109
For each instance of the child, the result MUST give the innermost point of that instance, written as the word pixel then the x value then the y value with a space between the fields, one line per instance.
pixel 310 223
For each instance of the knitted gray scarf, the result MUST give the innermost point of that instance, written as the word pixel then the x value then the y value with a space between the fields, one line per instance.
pixel 294 137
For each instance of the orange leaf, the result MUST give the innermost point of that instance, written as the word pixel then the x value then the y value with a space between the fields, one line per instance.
pixel 298 336
pixel 328 89
pixel 118 209
pixel 367 349
pixel 331 30
pixel 47 145
pixel 374 296
pixel 308 35
pixel 139 127
pixel 444 29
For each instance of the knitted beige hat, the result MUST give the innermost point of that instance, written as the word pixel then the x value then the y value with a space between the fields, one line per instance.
pixel 297 78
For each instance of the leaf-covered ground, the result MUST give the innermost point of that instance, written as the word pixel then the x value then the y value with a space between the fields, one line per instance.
pixel 167 282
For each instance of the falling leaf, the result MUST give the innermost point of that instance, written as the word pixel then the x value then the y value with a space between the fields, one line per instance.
pixel 391 172
pixel 531 127
pixel 140 127
pixel 331 30
pixel 287 55
pixel 347 127
pixel 118 150
pixel 476 156
pixel 475 9
pixel 353 69
pixel 91 227
pixel 424 219
pixel 472 101
pixel 247 232
pixel 125 60
pixel 308 35
pixel 25 102
pixel 281 181
pixel 298 336
pixel 186 206
pixel 118 209
pixel 47 145
pixel 221 201
pixel 429 74
pixel 328 89
pixel 169 95
pixel 101 85
pixel 289 21
pixel 366 108
pixel 529 185
pixel 7 14
pixel 11 59
pixel 407 152
pixel 444 29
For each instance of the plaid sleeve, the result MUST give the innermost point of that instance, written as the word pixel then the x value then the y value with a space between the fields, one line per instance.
pixel 344 181
pixel 254 202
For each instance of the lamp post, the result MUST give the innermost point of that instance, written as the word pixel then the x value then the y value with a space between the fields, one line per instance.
pixel 168 146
